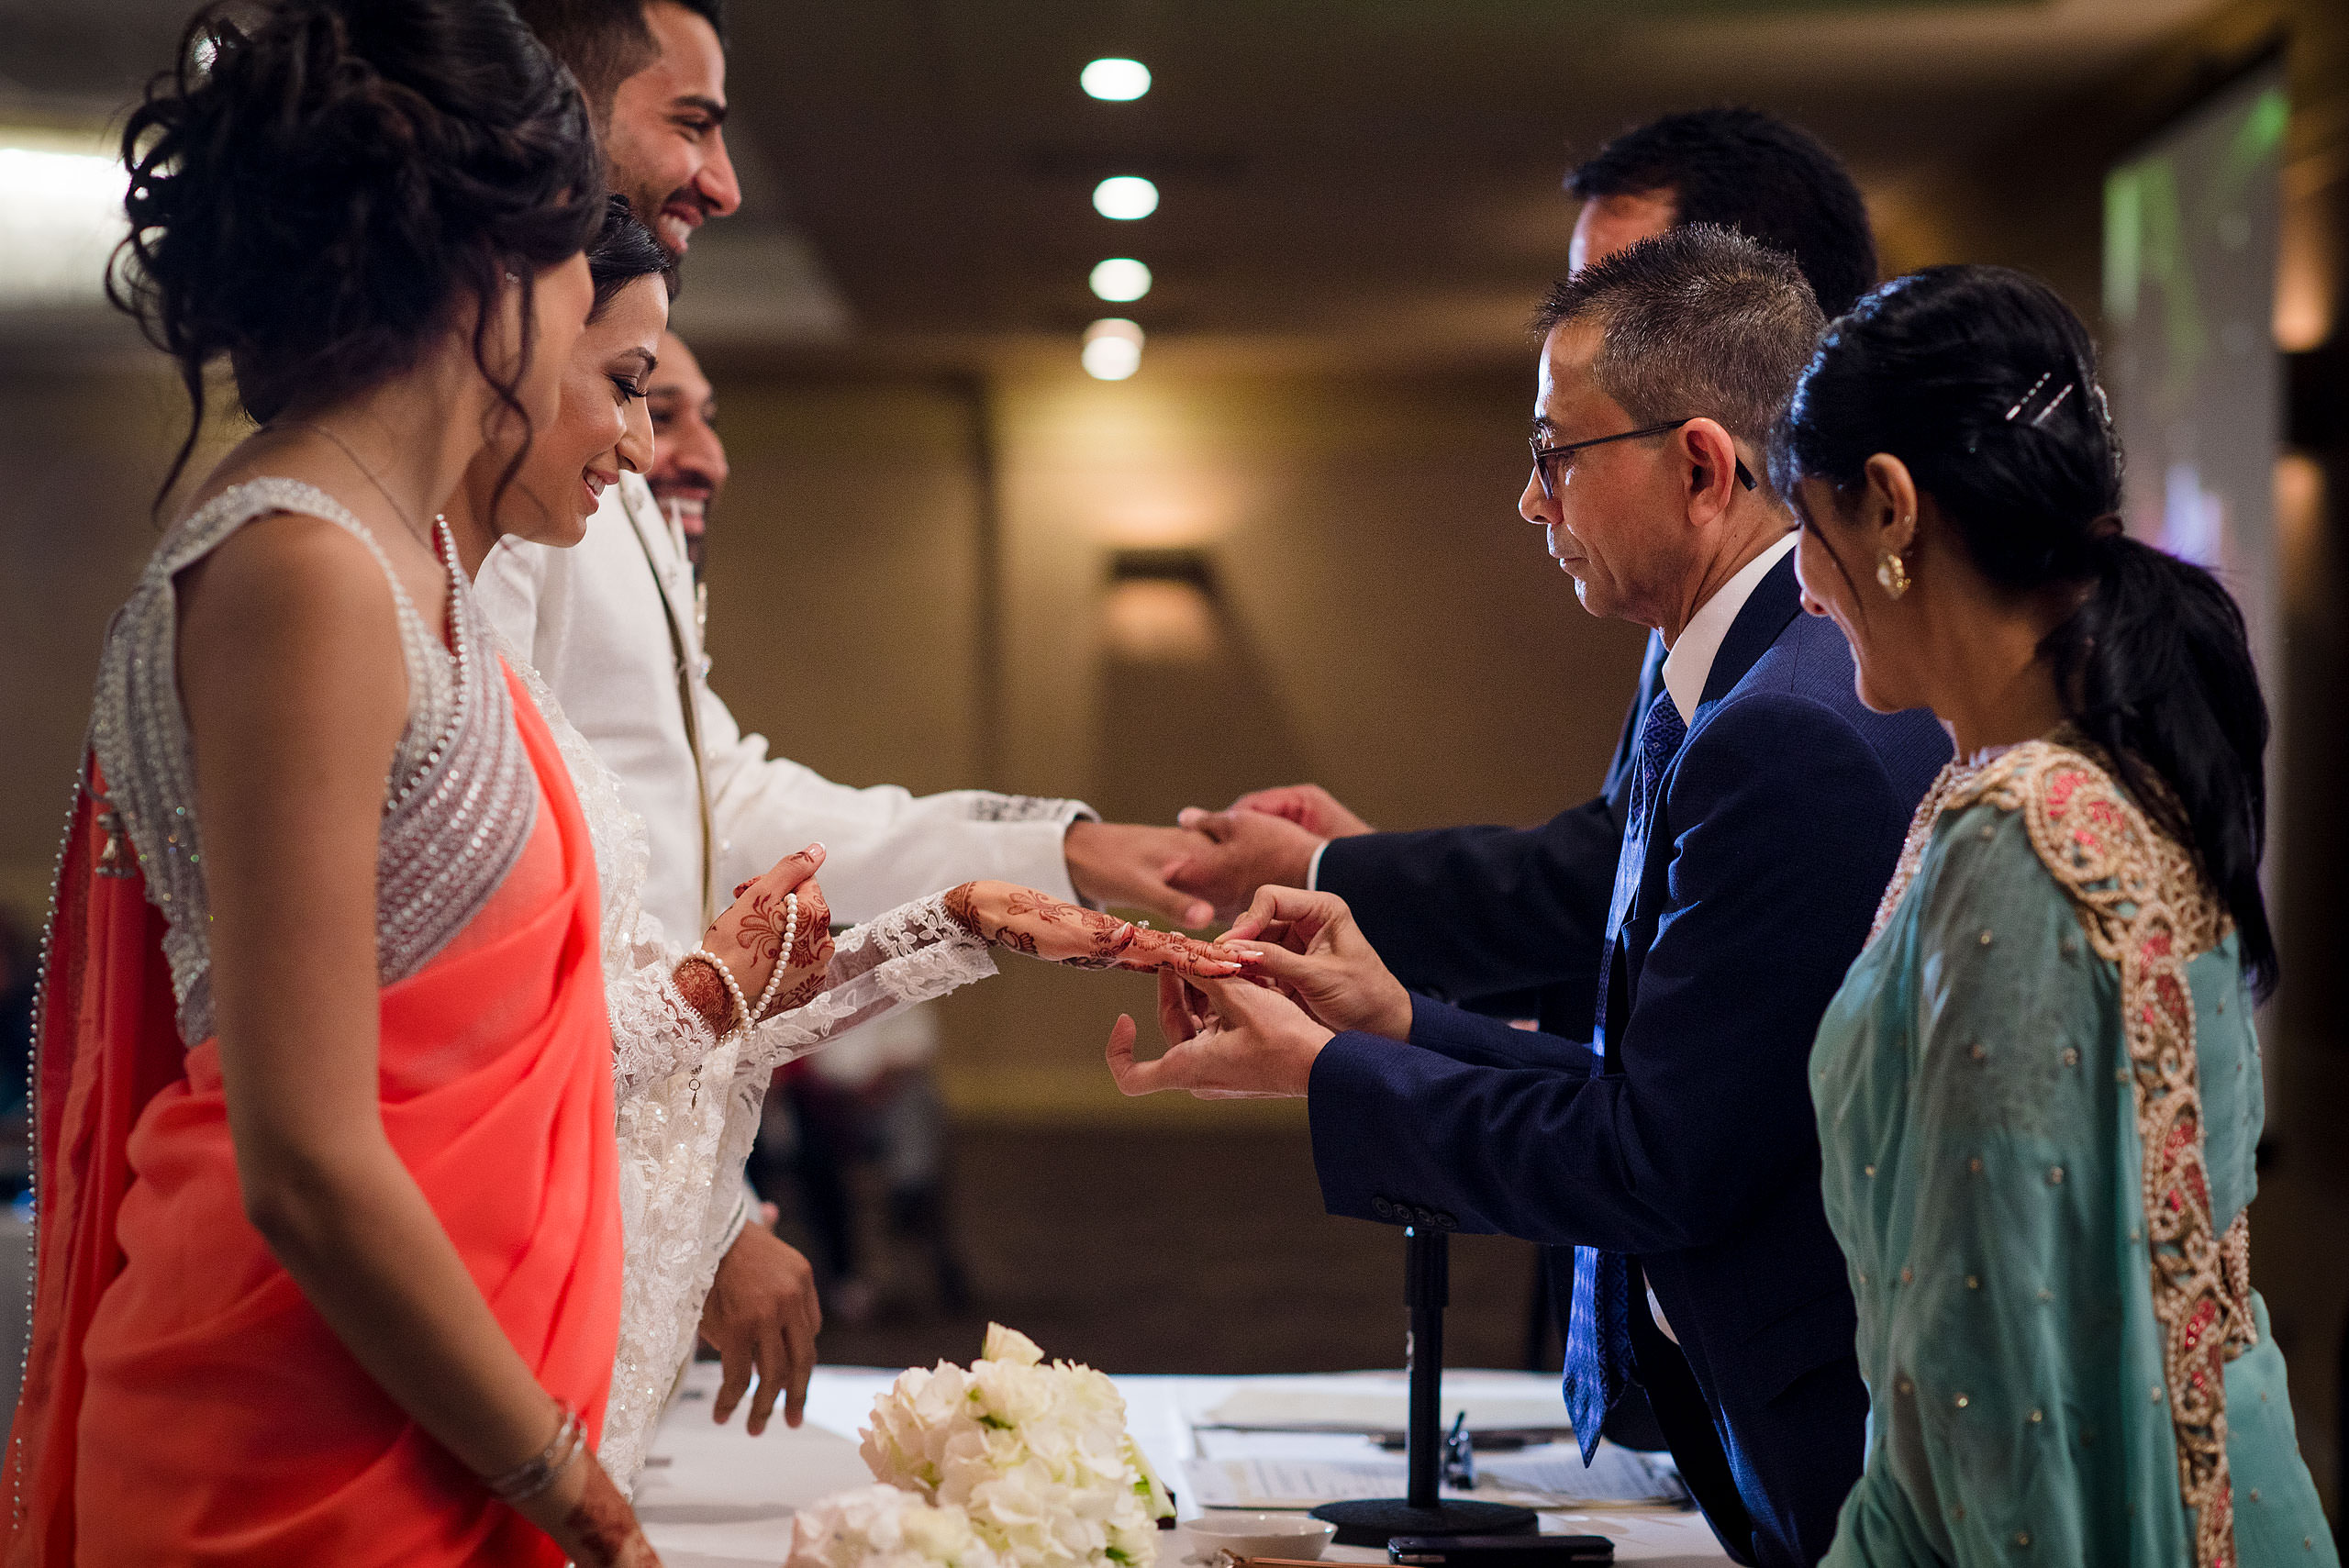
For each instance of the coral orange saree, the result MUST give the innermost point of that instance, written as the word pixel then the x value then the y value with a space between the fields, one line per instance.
pixel 182 1402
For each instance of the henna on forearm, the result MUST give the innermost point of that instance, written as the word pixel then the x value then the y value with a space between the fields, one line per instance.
pixel 697 982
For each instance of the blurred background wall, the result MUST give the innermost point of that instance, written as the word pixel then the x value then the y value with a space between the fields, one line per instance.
pixel 943 557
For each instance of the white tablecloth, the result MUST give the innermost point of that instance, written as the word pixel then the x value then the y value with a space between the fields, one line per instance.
pixel 715 1497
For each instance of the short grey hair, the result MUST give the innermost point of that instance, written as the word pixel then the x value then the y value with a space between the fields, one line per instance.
pixel 1696 321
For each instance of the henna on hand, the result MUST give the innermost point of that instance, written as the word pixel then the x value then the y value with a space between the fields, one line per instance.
pixel 811 958
pixel 601 1530
pixel 1057 931
pixel 963 904
pixel 760 932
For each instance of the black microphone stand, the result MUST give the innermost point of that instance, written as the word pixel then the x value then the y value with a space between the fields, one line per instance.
pixel 1427 1290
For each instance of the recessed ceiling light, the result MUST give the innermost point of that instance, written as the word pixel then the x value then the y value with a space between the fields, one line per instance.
pixel 1125 197
pixel 1120 279
pixel 1115 80
pixel 1112 349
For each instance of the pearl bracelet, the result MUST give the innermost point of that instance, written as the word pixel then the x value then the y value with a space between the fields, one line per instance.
pixel 782 959
pixel 743 1011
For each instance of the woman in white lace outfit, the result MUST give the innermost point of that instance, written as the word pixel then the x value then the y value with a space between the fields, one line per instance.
pixel 689 1078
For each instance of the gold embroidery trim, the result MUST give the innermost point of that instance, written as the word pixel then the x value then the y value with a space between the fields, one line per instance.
pixel 2145 907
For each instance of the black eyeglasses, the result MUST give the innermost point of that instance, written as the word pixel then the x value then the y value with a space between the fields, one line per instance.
pixel 1544 456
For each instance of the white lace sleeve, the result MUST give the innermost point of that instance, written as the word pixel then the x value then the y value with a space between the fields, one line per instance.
pixel 913 953
pixel 687 1099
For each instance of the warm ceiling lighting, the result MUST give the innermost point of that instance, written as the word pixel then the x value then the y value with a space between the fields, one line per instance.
pixel 1120 279
pixel 1115 80
pixel 1112 349
pixel 61 214
pixel 1125 197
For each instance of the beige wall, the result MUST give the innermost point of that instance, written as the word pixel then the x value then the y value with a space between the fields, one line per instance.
pixel 86 438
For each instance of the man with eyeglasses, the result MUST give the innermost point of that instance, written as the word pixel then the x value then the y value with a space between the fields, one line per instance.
pixel 1508 919
pixel 1663 1152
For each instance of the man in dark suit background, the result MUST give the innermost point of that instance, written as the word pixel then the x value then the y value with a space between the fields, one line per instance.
pixel 1665 1155
pixel 1507 920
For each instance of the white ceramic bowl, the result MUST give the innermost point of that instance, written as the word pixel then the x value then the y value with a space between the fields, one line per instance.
pixel 1257 1535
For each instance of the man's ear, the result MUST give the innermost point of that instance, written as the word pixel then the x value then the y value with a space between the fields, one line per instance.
pixel 1711 458
pixel 1888 507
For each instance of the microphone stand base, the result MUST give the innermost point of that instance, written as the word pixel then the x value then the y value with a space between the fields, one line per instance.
pixel 1374 1521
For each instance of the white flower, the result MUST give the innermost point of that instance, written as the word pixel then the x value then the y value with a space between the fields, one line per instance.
pixel 884 1527
pixel 1037 1455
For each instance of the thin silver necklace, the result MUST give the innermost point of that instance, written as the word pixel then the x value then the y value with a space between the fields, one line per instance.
pixel 381 489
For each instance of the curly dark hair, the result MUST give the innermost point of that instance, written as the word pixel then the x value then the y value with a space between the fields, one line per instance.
pixel 310 192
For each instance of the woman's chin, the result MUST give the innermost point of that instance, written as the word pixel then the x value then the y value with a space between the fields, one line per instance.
pixel 569 529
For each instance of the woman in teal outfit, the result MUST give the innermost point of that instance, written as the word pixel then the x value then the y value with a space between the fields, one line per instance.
pixel 2039 1088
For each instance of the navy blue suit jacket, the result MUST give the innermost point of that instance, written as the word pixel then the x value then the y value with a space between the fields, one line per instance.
pixel 1503 920
pixel 1690 1145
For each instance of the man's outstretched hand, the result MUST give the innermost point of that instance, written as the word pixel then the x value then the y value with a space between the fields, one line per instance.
pixel 1310 973
pixel 1227 1040
pixel 1310 944
pixel 1240 852
pixel 1308 805
pixel 1124 865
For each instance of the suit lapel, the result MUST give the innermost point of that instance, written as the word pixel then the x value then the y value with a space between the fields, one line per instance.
pixel 1761 620
pixel 1774 602
pixel 662 556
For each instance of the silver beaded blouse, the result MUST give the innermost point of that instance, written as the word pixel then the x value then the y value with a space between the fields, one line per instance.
pixel 459 802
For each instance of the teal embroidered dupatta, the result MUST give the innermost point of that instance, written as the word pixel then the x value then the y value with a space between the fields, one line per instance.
pixel 2065 1359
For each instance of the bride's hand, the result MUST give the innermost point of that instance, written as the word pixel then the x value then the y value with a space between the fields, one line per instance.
pixel 748 938
pixel 590 1520
pixel 1042 926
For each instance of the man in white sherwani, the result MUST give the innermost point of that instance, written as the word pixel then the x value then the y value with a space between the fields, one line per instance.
pixel 613 625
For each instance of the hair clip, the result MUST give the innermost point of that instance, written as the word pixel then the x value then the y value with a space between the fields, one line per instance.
pixel 2046 408
pixel 2028 395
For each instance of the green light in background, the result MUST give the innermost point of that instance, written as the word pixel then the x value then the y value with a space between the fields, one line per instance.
pixel 2123 244
pixel 2258 142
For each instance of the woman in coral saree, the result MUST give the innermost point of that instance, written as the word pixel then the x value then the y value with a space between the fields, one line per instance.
pixel 329 1244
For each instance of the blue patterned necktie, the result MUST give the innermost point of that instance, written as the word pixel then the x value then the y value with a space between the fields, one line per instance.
pixel 1599 1331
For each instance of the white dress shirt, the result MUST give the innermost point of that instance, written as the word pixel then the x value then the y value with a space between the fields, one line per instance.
pixel 1690 660
pixel 607 623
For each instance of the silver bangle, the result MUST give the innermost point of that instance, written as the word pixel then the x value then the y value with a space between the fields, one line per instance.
pixel 539 1471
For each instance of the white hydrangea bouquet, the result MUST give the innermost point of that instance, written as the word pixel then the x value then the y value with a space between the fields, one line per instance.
pixel 884 1527
pixel 1032 1458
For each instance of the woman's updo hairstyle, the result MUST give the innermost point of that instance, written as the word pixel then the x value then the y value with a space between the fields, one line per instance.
pixel 312 189
pixel 1982 381
pixel 623 252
